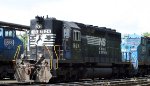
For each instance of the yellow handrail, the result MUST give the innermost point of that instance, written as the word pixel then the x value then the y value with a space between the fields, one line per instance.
pixel 17 52
pixel 51 61
pixel 26 52
pixel 56 56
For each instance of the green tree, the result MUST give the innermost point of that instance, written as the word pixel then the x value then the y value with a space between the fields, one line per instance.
pixel 147 34
pixel 23 38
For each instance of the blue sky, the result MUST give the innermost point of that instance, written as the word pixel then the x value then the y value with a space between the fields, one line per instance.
pixel 126 16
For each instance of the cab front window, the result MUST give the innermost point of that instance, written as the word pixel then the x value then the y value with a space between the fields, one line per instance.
pixel 8 33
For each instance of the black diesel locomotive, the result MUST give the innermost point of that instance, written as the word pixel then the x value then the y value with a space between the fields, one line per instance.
pixel 62 50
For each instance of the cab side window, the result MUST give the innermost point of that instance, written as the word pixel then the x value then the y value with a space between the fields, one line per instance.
pixel 143 41
pixel 1 32
pixel 149 52
pixel 76 35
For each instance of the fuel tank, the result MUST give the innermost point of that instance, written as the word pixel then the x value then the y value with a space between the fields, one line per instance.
pixel 98 72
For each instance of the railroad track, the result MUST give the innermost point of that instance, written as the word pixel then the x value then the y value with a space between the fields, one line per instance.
pixel 140 81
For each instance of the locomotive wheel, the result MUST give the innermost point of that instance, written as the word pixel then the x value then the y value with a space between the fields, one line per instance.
pixel 3 75
pixel 11 76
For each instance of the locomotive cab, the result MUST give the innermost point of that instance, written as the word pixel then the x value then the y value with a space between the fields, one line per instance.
pixel 9 42
pixel 72 41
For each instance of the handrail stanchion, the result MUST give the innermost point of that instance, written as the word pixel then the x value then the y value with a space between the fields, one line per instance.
pixel 56 55
pixel 51 61
pixel 17 52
